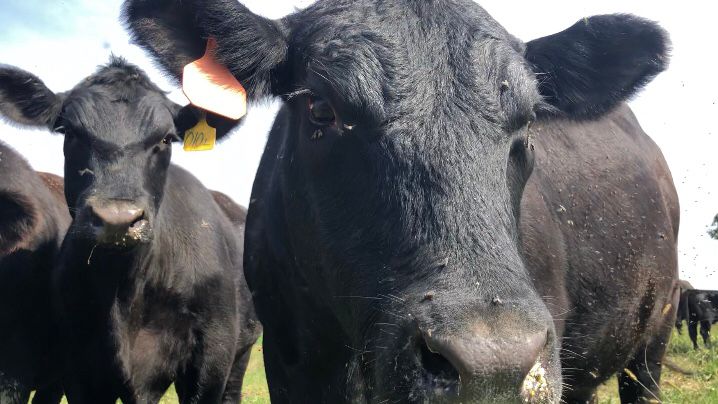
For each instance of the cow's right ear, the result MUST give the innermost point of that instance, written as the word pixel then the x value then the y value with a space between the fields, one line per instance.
pixel 175 33
pixel 18 217
pixel 25 100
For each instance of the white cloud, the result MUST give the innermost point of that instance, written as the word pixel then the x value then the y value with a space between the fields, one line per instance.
pixel 677 109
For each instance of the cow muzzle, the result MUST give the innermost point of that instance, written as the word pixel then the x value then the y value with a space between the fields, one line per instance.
pixel 475 355
pixel 118 222
pixel 472 366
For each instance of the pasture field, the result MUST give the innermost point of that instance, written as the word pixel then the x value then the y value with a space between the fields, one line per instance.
pixel 699 388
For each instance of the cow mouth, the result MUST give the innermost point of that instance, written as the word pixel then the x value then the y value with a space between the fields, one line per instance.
pixel 139 231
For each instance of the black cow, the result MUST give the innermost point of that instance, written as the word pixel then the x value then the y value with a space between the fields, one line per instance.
pixel 33 221
pixel 391 250
pixel 150 285
pixel 682 313
pixel 699 307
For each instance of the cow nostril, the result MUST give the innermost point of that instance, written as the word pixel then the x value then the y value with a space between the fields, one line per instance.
pixel 436 364
pixel 96 220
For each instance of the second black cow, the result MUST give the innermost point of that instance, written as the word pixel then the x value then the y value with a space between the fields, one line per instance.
pixel 681 314
pixel 150 284
pixel 699 307
pixel 33 221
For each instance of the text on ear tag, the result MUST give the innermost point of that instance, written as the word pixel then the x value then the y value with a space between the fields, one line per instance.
pixel 212 87
pixel 201 137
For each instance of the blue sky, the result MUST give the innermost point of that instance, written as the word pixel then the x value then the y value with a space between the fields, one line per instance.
pixel 17 14
pixel 64 41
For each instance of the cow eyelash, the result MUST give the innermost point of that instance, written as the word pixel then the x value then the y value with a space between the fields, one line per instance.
pixel 66 131
pixel 63 130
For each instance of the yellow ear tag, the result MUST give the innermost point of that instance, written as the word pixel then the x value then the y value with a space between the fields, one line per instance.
pixel 201 137
pixel 212 87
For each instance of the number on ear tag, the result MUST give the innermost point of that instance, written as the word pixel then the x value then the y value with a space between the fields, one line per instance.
pixel 201 137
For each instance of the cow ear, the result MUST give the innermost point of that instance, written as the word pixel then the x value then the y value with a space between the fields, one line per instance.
pixel 175 33
pixel 188 116
pixel 600 61
pixel 25 100
pixel 18 217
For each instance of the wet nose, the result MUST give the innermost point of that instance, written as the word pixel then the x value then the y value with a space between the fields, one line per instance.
pixel 500 363
pixel 115 218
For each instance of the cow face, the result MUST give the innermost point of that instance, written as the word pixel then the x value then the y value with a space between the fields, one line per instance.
pixel 118 130
pixel 393 178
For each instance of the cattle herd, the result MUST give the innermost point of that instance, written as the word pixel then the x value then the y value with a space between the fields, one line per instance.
pixel 442 213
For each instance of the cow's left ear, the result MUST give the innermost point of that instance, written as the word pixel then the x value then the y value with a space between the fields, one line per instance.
pixel 597 63
pixel 25 100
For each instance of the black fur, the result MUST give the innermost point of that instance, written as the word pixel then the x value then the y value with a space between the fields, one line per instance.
pixel 682 313
pixel 33 221
pixel 392 251
pixel 171 304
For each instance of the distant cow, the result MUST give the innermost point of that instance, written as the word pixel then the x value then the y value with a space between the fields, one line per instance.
pixel 682 313
pixel 33 221
pixel 150 285
pixel 399 248
pixel 701 307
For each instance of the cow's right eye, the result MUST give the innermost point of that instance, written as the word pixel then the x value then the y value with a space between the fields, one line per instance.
pixel 321 112
pixel 170 138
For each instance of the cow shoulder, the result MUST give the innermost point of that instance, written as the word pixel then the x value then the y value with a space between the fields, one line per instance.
pixel 18 220
pixel 55 184
pixel 236 213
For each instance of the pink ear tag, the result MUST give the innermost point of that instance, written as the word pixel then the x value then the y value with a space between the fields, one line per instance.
pixel 212 87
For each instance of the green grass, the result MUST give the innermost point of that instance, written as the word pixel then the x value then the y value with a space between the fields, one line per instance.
pixel 698 388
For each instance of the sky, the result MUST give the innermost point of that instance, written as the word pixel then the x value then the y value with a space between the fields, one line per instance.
pixel 64 41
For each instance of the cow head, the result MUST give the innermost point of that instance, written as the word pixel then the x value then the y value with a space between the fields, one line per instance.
pixel 118 130
pixel 397 166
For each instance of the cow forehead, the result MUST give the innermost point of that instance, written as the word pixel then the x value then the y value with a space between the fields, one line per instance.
pixel 374 53
pixel 119 117
pixel 427 30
